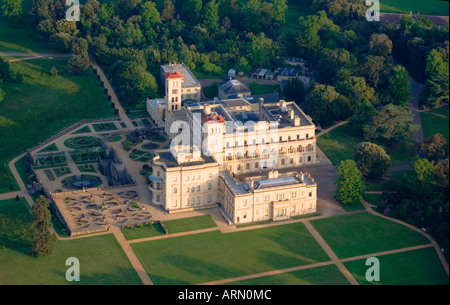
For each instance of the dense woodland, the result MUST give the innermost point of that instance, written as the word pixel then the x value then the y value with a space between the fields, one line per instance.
pixel 361 69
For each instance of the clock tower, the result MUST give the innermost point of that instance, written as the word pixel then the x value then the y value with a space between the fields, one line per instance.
pixel 173 90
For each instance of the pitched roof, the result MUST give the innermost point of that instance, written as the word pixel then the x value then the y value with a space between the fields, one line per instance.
pixel 234 87
pixel 173 75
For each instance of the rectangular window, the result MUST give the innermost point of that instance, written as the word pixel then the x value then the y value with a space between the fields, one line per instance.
pixel 198 200
pixel 209 198
pixel 158 198
pixel 209 185
pixel 310 194
pixel 293 209
pixel 266 212
pixel 198 188
pixel 175 190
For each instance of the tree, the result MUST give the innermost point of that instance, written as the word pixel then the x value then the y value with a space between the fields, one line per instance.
pixel 357 91
pixel 53 71
pixel 42 10
pixel 442 172
pixel 168 12
pixel 341 10
pixel 309 41
pixel 79 46
pixel 262 50
pixel 371 159
pixel 127 8
pixel 400 86
pixel 424 170
pixel 150 15
pixel 2 95
pixel 350 184
pixel 12 11
pixel 434 148
pixel 44 239
pixel 78 64
pixel 211 16
pixel 380 45
pixel 322 104
pixel 437 74
pixel 294 90
pixel 5 70
pixel 192 10
pixel 391 124
pixel 363 114
pixel 280 7
pixel 376 70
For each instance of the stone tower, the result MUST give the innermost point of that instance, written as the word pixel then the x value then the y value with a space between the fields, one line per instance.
pixel 173 90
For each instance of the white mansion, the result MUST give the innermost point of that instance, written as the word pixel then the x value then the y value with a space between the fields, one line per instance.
pixel 242 155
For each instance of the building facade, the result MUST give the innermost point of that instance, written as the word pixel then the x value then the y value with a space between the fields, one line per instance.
pixel 244 155
pixel 191 89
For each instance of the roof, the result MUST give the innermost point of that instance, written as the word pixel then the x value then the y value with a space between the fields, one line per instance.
pixel 276 182
pixel 213 119
pixel 287 71
pixel 173 75
pixel 234 87
pixel 169 160
pixel 268 98
pixel 238 102
pixel 189 79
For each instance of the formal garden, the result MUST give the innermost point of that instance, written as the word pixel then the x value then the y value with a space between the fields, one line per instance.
pixel 82 142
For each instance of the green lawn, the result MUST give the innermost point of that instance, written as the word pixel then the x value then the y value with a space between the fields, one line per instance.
pixel 376 199
pixel 20 40
pixel 211 91
pixel 262 89
pixel 204 75
pixel 338 145
pixel 212 256
pixel 43 105
pixel 326 275
pixel 18 267
pixel 189 224
pixel 142 232
pixel 172 226
pixel 436 121
pixel 364 233
pixel 296 9
pixel 428 7
pixel 418 267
